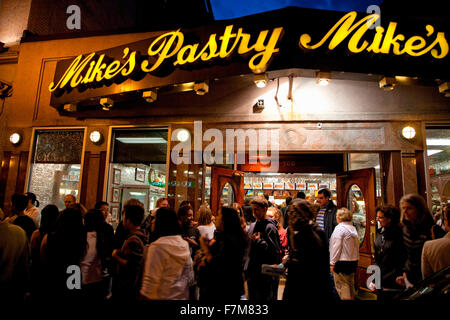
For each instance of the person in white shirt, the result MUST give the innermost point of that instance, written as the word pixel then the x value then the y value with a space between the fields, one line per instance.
pixel 168 270
pixel 205 224
pixel 344 254
pixel 31 210
pixel 91 263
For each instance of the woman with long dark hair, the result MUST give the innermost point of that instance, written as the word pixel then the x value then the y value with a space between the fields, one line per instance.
pixel 91 264
pixel 220 274
pixel 32 208
pixel 49 218
pixel 63 248
pixel 309 261
pixel 417 223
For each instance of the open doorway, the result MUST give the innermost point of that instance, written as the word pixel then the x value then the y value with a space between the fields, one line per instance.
pixel 352 178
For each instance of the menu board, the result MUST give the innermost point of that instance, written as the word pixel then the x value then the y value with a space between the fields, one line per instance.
pixel 323 186
pixel 248 186
pixel 268 186
pixel 257 185
pixel 313 186
pixel 289 186
pixel 278 186
pixel 301 186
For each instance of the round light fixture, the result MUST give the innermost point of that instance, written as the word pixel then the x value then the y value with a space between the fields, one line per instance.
pixel 323 82
pixel 15 138
pixel 261 84
pixel 183 135
pixel 408 132
pixel 95 136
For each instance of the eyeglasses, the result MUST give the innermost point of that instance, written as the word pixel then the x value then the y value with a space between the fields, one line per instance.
pixel 380 218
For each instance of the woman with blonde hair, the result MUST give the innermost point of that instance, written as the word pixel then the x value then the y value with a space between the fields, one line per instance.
pixel 205 223
pixel 276 215
pixel 344 254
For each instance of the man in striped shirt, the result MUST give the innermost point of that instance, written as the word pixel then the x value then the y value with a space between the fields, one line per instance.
pixel 326 217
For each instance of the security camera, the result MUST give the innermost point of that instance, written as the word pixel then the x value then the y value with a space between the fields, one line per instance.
pixel 319 125
pixel 106 103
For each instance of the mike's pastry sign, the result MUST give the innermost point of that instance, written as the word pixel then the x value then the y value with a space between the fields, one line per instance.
pixel 174 50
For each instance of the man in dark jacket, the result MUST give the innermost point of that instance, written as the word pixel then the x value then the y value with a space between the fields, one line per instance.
pixel 264 249
pixel 127 282
pixel 326 217
pixel 284 211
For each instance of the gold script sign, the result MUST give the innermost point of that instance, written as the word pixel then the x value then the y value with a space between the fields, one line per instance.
pixel 95 68
pixel 382 42
pixel 92 69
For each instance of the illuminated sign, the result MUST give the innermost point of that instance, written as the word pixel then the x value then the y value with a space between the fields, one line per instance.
pixel 382 42
pixel 180 55
pixel 95 68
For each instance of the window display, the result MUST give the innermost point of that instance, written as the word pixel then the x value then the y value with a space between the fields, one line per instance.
pixel 138 167
pixel 438 154
pixel 56 165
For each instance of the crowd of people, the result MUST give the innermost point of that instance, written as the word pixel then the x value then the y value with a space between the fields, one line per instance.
pixel 185 255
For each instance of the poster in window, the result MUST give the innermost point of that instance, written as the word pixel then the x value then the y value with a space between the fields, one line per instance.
pixel 115 195
pixel 116 176
pixel 140 175
pixel 115 213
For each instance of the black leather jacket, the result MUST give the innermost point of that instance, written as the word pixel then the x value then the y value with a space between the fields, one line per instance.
pixel 390 255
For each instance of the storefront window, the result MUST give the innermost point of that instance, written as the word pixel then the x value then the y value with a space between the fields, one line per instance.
pixel 438 153
pixel 138 168
pixel 56 165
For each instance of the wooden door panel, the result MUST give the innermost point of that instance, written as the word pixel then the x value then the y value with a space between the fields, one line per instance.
pixel 365 180
pixel 219 178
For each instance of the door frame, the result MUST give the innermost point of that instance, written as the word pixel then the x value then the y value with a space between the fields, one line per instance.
pixel 219 178
pixel 365 179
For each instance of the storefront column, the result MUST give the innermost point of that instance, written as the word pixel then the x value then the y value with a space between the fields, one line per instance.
pixel 94 164
pixel 93 178
pixel 409 170
pixel 392 177
pixel 13 176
